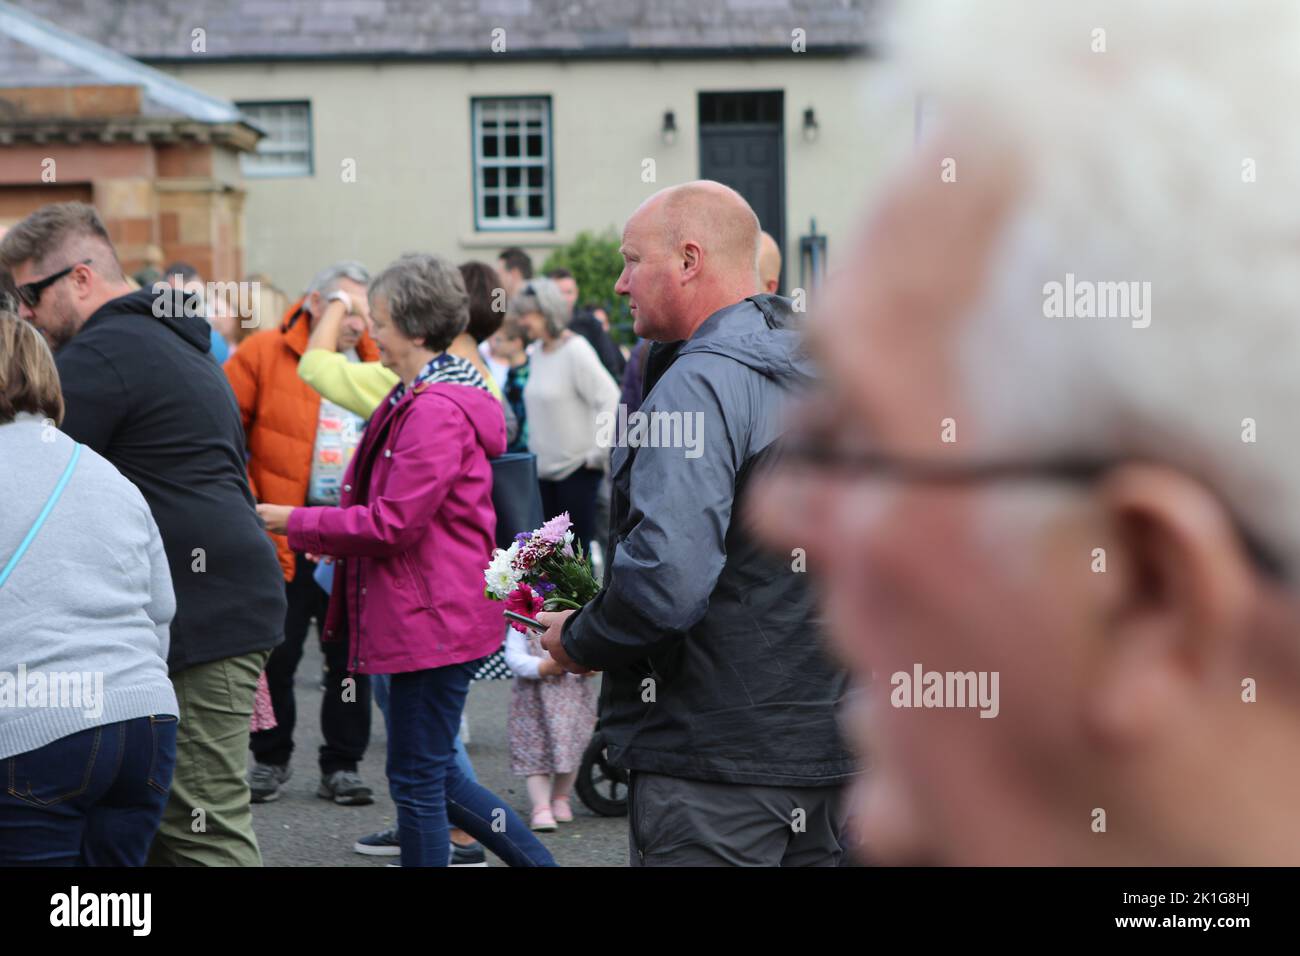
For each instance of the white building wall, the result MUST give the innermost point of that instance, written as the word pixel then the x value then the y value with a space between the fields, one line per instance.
pixel 407 126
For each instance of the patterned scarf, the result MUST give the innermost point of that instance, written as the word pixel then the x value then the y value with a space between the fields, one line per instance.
pixel 444 368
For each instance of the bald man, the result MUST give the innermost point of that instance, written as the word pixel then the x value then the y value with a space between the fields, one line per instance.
pixel 769 264
pixel 717 696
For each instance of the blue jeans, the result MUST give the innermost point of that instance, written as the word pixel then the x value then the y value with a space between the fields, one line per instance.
pixel 427 785
pixel 379 686
pixel 93 798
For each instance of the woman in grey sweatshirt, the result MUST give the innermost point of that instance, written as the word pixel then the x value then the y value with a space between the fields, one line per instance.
pixel 87 711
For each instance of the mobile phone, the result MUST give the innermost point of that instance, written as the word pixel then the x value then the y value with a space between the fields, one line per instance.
pixel 525 621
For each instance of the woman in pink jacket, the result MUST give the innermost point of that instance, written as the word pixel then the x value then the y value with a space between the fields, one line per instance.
pixel 412 534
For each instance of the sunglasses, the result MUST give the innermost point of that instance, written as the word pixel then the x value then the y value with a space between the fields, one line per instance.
pixel 30 294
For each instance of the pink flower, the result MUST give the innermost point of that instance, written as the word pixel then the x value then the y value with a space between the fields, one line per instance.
pixel 523 600
pixel 553 531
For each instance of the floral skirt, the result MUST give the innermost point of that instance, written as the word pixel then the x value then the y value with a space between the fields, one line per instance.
pixel 551 721
pixel 263 712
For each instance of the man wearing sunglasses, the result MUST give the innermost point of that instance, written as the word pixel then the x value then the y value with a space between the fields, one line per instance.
pixel 1103 512
pixel 141 389
pixel 58 320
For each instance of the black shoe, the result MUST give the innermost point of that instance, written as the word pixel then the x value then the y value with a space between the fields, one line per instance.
pixel 345 788
pixel 471 855
pixel 383 843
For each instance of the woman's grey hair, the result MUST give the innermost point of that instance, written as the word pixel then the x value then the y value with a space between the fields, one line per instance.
pixel 544 297
pixel 426 298
pixel 327 280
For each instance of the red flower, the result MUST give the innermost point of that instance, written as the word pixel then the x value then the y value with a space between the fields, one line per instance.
pixel 523 600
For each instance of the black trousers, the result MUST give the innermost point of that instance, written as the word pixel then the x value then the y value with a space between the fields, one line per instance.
pixel 344 721
pixel 678 822
pixel 576 495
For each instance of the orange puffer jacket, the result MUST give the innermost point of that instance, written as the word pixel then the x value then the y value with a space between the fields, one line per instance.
pixel 280 413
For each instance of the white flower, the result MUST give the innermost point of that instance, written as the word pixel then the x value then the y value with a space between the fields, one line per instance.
pixel 568 544
pixel 500 575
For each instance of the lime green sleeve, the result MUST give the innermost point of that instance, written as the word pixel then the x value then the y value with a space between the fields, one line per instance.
pixel 357 386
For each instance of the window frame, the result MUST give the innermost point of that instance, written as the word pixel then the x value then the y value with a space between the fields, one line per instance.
pixel 477 165
pixel 254 173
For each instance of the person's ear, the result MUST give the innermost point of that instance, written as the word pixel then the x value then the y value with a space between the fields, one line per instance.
pixel 1182 593
pixel 692 258
pixel 83 281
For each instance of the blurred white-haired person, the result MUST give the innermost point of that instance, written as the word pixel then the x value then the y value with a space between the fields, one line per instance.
pixel 568 391
pixel 1057 443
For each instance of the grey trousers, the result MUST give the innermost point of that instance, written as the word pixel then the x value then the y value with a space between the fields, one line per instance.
pixel 678 822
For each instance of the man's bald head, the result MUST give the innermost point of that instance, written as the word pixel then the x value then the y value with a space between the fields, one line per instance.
pixel 769 264
pixel 711 215
pixel 688 251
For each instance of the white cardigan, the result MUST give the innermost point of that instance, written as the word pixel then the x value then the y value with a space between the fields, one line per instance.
pixel 519 656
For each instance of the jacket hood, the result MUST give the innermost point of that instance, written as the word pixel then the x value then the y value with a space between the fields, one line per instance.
pixel 167 308
pixel 485 413
pixel 761 332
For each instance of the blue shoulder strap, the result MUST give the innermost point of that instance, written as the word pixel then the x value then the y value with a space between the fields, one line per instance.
pixel 45 513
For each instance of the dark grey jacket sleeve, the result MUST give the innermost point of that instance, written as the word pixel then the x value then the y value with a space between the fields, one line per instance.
pixel 667 565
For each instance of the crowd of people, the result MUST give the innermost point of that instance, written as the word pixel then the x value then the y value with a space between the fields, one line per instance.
pixel 349 444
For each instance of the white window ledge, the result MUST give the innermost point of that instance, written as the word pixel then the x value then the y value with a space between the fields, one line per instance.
pixel 490 239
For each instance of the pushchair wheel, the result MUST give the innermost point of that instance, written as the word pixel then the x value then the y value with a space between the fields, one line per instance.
pixel 601 787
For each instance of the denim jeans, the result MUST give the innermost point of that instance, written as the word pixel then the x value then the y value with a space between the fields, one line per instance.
pixel 93 798
pixel 379 685
pixel 428 787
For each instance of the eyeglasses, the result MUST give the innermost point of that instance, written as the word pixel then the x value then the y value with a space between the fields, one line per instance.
pixel 30 294
pixel 815 449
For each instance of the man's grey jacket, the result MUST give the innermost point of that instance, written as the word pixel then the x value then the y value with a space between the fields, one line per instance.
pixel 713 656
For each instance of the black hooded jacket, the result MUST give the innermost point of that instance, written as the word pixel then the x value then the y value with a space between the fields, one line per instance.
pixel 712 648
pixel 142 389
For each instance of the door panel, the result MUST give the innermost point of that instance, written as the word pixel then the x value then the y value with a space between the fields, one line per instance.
pixel 747 156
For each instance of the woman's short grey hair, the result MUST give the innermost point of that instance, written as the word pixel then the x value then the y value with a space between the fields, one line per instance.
pixel 426 298
pixel 544 297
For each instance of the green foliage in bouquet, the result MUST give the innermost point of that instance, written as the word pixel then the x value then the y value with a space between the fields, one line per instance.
pixel 574 580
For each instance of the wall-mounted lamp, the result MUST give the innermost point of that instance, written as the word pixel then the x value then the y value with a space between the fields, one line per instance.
pixel 810 128
pixel 669 132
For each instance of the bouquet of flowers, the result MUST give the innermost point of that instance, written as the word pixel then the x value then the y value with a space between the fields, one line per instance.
pixel 542 570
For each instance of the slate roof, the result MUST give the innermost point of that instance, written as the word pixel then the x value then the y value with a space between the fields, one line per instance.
pixel 161 31
pixel 35 52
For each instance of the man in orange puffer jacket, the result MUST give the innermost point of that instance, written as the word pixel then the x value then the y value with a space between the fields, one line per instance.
pixel 298 448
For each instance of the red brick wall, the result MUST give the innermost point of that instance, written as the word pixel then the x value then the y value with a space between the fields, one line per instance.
pixel 191 217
